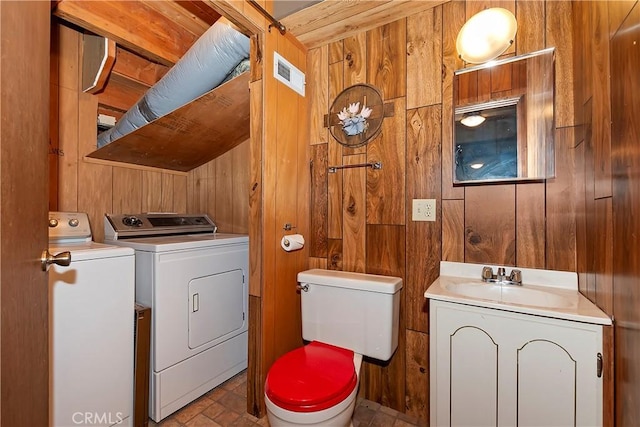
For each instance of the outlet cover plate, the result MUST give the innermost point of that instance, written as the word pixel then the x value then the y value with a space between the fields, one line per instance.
pixel 424 210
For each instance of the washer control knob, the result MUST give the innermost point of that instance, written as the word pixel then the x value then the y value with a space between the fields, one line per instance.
pixel 73 222
pixel 53 222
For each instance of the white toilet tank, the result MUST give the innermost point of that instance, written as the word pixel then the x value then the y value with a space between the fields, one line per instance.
pixel 356 311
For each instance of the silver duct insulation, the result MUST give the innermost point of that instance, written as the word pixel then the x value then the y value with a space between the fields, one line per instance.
pixel 204 66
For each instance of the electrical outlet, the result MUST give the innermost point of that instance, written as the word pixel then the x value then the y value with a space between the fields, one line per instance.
pixel 424 210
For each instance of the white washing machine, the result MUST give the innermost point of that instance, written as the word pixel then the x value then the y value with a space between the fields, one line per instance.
pixel 91 317
pixel 196 282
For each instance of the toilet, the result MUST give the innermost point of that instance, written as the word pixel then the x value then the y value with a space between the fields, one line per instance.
pixel 345 316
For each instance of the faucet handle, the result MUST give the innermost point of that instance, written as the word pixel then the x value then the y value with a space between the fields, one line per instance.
pixel 487 273
pixel 516 276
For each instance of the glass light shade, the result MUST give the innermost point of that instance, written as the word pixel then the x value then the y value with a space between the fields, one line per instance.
pixel 486 35
pixel 472 120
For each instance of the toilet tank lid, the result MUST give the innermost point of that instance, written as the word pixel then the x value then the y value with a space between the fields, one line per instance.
pixel 350 280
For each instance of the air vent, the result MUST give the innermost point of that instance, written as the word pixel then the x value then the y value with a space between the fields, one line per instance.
pixel 284 71
pixel 105 122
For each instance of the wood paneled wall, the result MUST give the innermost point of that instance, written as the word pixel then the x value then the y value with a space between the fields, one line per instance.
pixel 361 219
pixel 219 188
pixel 606 61
pixel 279 196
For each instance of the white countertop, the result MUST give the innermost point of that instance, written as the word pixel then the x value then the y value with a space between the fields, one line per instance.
pixel 559 287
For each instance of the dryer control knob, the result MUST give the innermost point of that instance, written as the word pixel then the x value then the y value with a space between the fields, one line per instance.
pixel 132 221
pixel 73 222
pixel 53 222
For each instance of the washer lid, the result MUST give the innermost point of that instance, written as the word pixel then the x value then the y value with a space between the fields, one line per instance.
pixel 89 251
pixel 311 378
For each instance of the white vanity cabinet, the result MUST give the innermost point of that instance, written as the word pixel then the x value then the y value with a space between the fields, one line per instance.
pixel 493 367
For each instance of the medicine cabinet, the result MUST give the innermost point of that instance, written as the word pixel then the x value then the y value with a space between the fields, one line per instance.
pixel 504 120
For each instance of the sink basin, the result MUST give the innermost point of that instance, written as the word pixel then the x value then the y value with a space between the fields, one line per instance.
pixel 546 293
pixel 510 294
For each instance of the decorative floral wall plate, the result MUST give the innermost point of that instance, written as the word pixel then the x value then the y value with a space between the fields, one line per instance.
pixel 355 117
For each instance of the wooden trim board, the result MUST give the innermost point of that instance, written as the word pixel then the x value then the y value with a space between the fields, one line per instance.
pixel 131 166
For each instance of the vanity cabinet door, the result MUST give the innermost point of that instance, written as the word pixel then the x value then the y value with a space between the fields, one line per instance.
pixel 465 363
pixel 546 384
pixel 497 368
pixel 556 371
pixel 473 368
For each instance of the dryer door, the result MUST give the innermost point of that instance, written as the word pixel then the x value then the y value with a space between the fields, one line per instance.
pixel 216 307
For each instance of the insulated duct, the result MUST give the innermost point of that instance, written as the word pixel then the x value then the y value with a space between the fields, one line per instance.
pixel 204 66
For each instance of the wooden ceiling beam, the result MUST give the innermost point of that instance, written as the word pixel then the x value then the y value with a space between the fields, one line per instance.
pixel 121 93
pixel 130 78
pixel 329 12
pixel 179 15
pixel 201 10
pixel 331 20
pixel 131 24
pixel 137 69
pixel 244 16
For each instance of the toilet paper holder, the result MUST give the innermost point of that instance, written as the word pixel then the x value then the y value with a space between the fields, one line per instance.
pixel 292 242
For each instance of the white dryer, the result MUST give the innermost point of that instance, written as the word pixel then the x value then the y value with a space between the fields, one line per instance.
pixel 196 282
pixel 91 316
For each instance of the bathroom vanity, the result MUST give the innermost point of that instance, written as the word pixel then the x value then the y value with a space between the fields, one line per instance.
pixel 504 355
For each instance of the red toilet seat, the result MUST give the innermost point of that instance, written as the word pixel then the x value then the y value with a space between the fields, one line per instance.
pixel 311 378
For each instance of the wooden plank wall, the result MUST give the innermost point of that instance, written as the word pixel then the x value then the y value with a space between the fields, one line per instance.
pixel 625 168
pixel 279 195
pixel 219 188
pixel 361 218
pixel 606 70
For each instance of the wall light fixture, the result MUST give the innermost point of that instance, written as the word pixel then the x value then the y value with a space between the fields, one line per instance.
pixel 486 35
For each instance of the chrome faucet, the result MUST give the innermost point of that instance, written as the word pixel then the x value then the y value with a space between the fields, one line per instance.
pixel 514 278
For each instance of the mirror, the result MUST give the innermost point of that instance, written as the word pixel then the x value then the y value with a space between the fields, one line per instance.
pixel 504 120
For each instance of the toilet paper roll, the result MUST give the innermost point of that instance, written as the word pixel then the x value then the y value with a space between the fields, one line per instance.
pixel 292 242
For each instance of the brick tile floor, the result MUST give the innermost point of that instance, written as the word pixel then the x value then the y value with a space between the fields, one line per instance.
pixel 226 405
